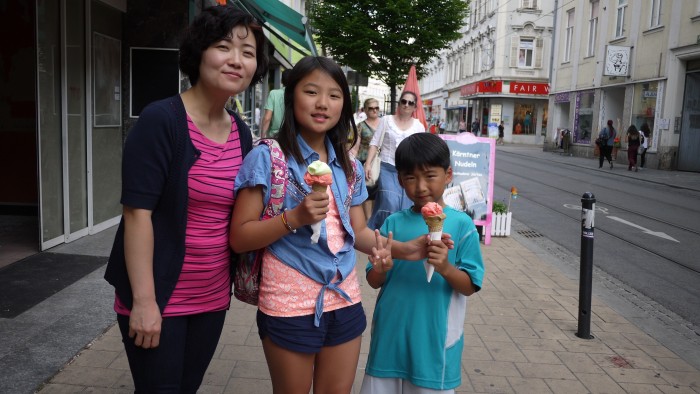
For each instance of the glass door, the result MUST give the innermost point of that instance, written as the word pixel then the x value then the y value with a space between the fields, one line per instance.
pixel 49 122
pixel 75 148
pixel 61 119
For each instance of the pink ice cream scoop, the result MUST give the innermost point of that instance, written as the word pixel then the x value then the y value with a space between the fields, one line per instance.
pixel 431 209
pixel 323 180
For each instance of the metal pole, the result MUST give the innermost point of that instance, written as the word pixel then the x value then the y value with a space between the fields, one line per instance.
pixel 586 276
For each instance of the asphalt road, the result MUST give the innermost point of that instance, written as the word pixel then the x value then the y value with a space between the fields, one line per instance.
pixel 647 234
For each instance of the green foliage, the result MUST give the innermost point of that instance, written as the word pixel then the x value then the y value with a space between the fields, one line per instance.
pixel 499 207
pixel 373 36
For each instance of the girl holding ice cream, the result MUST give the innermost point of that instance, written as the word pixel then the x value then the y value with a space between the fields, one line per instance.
pixel 310 318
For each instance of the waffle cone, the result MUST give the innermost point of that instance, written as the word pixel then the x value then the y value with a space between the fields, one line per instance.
pixel 317 187
pixel 435 223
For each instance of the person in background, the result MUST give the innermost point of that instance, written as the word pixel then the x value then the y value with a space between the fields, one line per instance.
pixel 310 316
pixel 433 128
pixel 608 138
pixel 170 262
pixel 633 141
pixel 360 149
pixel 390 196
pixel 501 128
pixel 475 127
pixel 442 126
pixel 645 134
pixel 417 328
pixel 462 126
pixel 274 110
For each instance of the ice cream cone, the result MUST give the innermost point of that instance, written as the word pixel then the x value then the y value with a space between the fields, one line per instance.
pixel 435 223
pixel 317 187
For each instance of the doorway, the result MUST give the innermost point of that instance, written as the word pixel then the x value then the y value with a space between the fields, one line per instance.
pixel 689 144
pixel 19 228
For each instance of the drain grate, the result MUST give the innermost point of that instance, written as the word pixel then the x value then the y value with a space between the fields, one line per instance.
pixel 529 234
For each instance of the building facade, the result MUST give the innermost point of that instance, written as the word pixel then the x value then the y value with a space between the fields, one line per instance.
pixel 74 75
pixel 632 62
pixel 499 70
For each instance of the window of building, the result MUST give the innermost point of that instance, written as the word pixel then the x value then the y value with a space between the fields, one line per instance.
pixel 644 106
pixel 620 19
pixel 477 60
pixel 530 4
pixel 569 35
pixel 583 120
pixel 525 51
pixel 524 119
pixel 593 28
pixel 656 6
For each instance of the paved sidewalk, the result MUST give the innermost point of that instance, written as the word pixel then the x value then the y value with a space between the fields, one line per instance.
pixel 519 339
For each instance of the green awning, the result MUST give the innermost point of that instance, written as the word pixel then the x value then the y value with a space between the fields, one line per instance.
pixel 283 18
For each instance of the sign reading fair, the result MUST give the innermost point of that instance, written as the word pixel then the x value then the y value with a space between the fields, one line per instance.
pixel 471 190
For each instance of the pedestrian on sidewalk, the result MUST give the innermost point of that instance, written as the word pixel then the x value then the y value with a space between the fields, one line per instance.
pixel 633 142
pixel 360 148
pixel 607 136
pixel 476 127
pixel 274 110
pixel 170 262
pixel 417 330
pixel 310 317
pixel 501 127
pixel 390 196
pixel 645 134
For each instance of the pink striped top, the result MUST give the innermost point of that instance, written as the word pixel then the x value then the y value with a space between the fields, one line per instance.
pixel 204 283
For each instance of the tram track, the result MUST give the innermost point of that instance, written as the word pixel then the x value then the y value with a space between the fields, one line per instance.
pixel 577 218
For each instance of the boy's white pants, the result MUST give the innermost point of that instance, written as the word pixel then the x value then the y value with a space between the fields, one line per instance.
pixel 374 385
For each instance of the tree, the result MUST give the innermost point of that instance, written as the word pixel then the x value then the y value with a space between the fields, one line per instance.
pixel 384 38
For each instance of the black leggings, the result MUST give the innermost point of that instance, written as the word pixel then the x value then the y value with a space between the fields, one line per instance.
pixel 605 153
pixel 178 364
pixel 643 158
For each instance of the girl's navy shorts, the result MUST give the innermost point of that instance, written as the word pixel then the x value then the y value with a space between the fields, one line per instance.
pixel 298 333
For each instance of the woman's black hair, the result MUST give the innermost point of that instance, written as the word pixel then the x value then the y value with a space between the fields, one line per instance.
pixel 339 134
pixel 214 24
pixel 421 150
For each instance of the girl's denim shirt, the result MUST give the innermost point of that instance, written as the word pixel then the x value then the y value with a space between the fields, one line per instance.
pixel 316 261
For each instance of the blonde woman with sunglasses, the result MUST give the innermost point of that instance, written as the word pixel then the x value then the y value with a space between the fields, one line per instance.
pixel 390 196
pixel 360 148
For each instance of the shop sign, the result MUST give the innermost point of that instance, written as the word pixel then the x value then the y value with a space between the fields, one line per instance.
pixel 562 97
pixel 427 102
pixel 529 88
pixel 473 167
pixel 481 87
pixel 490 86
pixel 617 61
pixel 468 90
pixel 649 94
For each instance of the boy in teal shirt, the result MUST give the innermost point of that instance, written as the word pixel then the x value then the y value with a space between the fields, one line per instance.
pixel 417 329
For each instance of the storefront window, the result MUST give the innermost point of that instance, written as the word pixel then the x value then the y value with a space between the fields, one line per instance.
pixel 644 107
pixel 584 117
pixel 545 115
pixel 524 119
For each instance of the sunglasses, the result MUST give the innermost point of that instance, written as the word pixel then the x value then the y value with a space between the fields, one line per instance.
pixel 373 108
pixel 407 102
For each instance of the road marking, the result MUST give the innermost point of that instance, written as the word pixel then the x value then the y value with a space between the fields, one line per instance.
pixel 578 207
pixel 646 230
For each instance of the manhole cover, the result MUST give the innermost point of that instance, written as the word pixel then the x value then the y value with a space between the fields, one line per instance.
pixel 529 233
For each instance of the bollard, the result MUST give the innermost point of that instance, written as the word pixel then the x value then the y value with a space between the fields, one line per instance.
pixel 586 276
